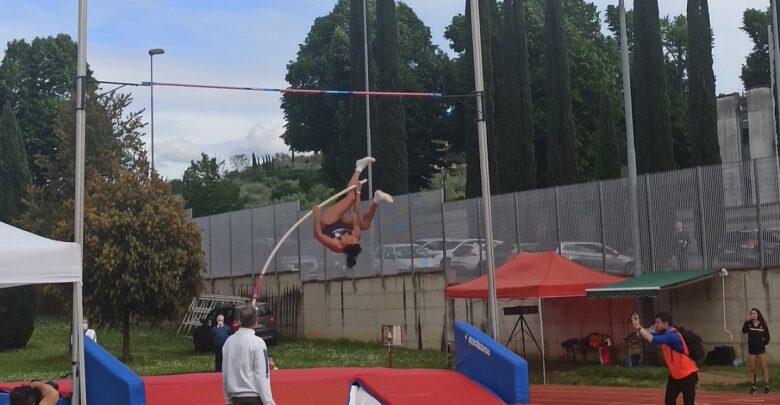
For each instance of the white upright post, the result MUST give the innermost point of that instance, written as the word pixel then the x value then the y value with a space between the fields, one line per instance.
pixel 487 211
pixel 77 353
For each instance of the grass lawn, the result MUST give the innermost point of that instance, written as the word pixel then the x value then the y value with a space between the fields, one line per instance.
pixel 157 351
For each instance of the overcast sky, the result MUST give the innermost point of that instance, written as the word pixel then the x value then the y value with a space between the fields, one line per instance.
pixel 249 42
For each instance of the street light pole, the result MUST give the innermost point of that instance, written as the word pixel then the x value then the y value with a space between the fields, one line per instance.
pixel 368 101
pixel 152 52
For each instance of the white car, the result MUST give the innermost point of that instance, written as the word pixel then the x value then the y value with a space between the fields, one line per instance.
pixel 402 257
pixel 436 247
pixel 468 256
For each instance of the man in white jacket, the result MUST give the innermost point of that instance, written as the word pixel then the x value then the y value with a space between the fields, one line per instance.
pixel 246 373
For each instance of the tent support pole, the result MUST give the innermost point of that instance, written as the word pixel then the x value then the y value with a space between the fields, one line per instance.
pixel 541 326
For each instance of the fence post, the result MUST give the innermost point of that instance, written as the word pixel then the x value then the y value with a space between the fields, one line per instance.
pixel 211 258
pixel 298 240
pixel 702 224
pixel 558 221
pixel 757 189
pixel 252 240
pixel 650 222
pixel 517 221
pixel 230 251
pixel 411 234
pixel 443 241
pixel 381 251
pixel 602 224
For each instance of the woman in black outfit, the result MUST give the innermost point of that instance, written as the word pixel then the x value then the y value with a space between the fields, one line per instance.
pixel 758 337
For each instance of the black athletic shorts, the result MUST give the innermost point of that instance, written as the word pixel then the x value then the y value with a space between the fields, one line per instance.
pixel 756 350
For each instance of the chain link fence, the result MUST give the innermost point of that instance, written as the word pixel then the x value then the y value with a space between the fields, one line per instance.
pixel 700 218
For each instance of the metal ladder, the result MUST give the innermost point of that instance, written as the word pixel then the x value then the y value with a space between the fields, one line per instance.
pixel 200 307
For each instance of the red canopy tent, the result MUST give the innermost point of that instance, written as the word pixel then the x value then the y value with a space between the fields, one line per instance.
pixel 535 275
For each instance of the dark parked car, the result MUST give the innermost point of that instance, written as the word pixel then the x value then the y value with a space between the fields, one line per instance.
pixel 741 248
pixel 266 325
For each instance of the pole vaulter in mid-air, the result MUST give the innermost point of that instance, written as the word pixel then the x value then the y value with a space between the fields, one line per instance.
pixel 337 229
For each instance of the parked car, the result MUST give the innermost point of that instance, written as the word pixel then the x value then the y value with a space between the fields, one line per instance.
pixel 469 257
pixel 439 249
pixel 401 257
pixel 594 254
pixel 266 325
pixel 741 247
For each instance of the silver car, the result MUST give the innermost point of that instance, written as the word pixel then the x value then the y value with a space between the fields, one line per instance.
pixel 593 255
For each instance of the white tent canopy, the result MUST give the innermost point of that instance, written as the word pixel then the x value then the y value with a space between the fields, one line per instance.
pixel 33 259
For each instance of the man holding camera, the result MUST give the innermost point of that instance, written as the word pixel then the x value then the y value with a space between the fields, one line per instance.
pixel 683 372
pixel 37 393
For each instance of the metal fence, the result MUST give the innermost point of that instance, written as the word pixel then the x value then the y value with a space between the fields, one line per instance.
pixel 729 214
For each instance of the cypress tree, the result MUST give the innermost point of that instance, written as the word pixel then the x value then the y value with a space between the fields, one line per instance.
pixel 14 170
pixel 702 105
pixel 561 141
pixel 514 111
pixel 487 9
pixel 389 140
pixel 652 122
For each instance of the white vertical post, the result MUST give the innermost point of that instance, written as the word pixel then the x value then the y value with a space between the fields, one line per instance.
pixel 479 82
pixel 632 187
pixel 368 103
pixel 77 353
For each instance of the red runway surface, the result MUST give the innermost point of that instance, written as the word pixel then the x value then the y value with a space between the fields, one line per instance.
pixel 578 395
pixel 324 386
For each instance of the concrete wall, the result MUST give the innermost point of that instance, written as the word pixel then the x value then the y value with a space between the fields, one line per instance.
pixel 728 128
pixel 356 309
pixel 273 283
pixel 761 122
pixel 699 306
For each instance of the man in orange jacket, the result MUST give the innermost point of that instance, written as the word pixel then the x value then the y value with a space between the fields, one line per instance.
pixel 683 373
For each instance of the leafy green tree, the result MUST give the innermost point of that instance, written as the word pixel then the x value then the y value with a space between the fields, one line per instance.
pixel 389 142
pixel 112 137
pixel 514 110
pixel 142 255
pixel 755 71
pixel 35 77
pixel 652 120
pixel 14 171
pixel 325 124
pixel 562 145
pixel 674 36
pixel 205 189
pixel 702 104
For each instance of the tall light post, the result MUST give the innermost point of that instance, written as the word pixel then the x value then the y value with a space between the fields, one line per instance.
pixel 152 52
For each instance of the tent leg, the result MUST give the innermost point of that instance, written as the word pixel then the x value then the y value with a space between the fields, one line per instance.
pixel 541 326
pixel 77 351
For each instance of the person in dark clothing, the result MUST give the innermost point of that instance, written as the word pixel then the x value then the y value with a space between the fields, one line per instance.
pixel 219 334
pixel 758 337
pixel 682 240
pixel 683 372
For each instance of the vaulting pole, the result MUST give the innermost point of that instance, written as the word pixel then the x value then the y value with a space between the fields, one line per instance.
pixel 259 280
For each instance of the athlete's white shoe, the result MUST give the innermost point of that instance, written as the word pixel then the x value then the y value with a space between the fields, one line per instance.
pixel 361 164
pixel 380 196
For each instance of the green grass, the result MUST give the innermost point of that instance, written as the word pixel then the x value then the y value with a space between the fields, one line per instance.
pixel 157 350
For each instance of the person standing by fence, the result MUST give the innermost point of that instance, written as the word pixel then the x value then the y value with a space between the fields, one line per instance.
pixel 246 370
pixel 219 334
pixel 758 337
pixel 682 240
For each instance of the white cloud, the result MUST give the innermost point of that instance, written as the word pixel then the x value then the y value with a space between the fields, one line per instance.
pixel 176 151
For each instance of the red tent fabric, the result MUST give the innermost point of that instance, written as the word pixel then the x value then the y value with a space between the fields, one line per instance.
pixel 535 275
